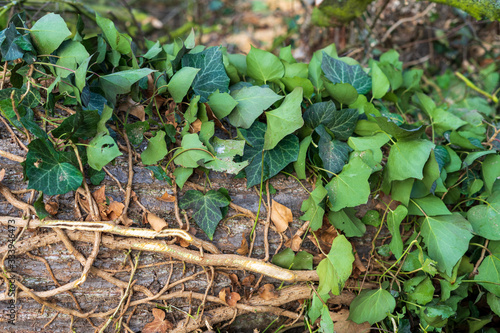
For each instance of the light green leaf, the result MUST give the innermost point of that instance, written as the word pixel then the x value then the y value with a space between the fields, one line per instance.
pixel 252 101
pixel 447 239
pixel 344 93
pixel 420 289
pixel 350 188
pixel 491 171
pixel 181 82
pixel 71 54
pixel 284 120
pixel 326 322
pixel 485 219
pixel 371 306
pixel 347 221
pixel 494 303
pixel 380 83
pixel 313 208
pixel 156 150
pixel 225 151
pixel 181 175
pixel 191 152
pixel 430 204
pixel 394 219
pixel 118 42
pixel 407 159
pixel 206 208
pixel 291 83
pixel 264 66
pixel 475 155
pixel 489 271
pixel 300 165
pixel 48 33
pixel 221 104
pixel 335 269
pixel 120 82
pixel 81 74
pixel 314 67
pixel 102 150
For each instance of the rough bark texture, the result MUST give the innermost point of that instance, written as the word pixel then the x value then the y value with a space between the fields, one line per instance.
pixel 99 295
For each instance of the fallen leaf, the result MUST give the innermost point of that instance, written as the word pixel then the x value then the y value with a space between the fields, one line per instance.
pixel 166 197
pixel 133 108
pixel 157 223
pixel 52 207
pixel 248 280
pixel 243 250
pixel 328 235
pixel 100 195
pixel 195 127
pixel 183 242
pixel 234 280
pixel 343 325
pixel 386 200
pixel 266 292
pixel 295 243
pixel 2 174
pixel 159 323
pixel 281 216
pixel 114 210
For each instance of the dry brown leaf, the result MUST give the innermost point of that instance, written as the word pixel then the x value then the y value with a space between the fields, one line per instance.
pixel 328 235
pixel 248 280
pixel 183 242
pixel 195 127
pixel 229 297
pixel 166 197
pixel 266 292
pixel 133 108
pixel 234 280
pixel 157 223
pixel 343 325
pixel 100 195
pixel 243 250
pixel 115 210
pixel 2 174
pixel 52 207
pixel 281 216
pixel 295 243
pixel 159 323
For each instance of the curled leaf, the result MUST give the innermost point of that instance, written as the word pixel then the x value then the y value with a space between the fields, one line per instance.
pixel 281 216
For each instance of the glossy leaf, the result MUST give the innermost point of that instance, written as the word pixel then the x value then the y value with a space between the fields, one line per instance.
pixel 180 83
pixel 264 66
pixel 407 159
pixel 338 71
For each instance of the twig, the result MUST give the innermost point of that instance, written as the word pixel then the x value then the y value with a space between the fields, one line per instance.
pixel 128 190
pixel 91 258
pixel 12 157
pixel 5 191
pixel 268 222
pixel 406 19
pixel 13 135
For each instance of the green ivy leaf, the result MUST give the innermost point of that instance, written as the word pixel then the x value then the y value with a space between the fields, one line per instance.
pixel 71 54
pixel 326 322
pixel 252 101
pixel 48 171
pixel 156 150
pixel 181 175
pixel 340 122
pixel 394 219
pixel 39 205
pixel 430 204
pixel 180 83
pixel 264 66
pixel 314 67
pixel 485 219
pixel 120 82
pixel 212 75
pixel 102 150
pixel 338 71
pixel 285 152
pixel 399 131
pixel 13 44
pixel 225 151
pixel 335 269
pixel 221 104
pixel 118 42
pixel 135 131
pixel 447 238
pixel 380 83
pixel 82 124
pixel 347 221
pixel 344 93
pixel 191 152
pixel 48 33
pixel 371 306
pixel 407 159
pixel 350 188
pixel 494 303
pixel 491 171
pixel 284 120
pixel 206 208
pixel 489 271
pixel 313 208
pixel 333 153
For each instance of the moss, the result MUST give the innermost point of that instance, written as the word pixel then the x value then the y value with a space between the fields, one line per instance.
pixel 343 10
pixel 479 9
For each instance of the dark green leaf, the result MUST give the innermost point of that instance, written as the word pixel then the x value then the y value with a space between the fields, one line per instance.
pixel 96 177
pixel 39 205
pixel 338 71
pixel 212 75
pixel 400 132
pixel 135 131
pixel 206 208
pixel 341 123
pixel 285 152
pixel 334 154
pixel 82 124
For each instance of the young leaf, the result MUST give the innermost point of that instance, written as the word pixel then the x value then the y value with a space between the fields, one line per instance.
pixel 207 208
pixel 335 269
pixel 252 101
pixel 48 33
pixel 264 66
pixel 71 54
pixel 394 219
pixel 225 151
pixel 120 82
pixel 102 150
pixel 312 207
pixel 407 159
pixel 47 170
pixel 118 42
pixel 300 165
pixel 270 161
pixel 156 150
pixel 430 205
pixel 350 188
pixel 380 83
pixel 447 238
pixel 180 83
pixel 191 152
pixel 221 104
pixel 284 120
pixel 212 75
pixel 371 306
pixel 338 71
